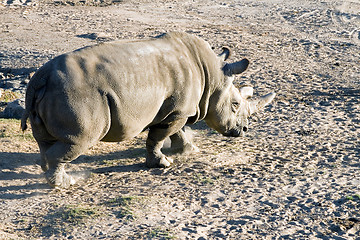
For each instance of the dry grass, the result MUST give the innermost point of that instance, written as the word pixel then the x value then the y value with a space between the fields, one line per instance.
pixel 9 96
pixel 10 128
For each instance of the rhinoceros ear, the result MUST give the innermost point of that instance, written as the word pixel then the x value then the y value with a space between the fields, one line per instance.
pixel 246 92
pixel 236 67
pixel 226 53
pixel 258 104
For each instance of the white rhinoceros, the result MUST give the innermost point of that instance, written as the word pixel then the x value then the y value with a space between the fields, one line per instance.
pixel 113 91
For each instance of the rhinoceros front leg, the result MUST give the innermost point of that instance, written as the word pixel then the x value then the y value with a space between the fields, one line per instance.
pixel 180 143
pixel 155 141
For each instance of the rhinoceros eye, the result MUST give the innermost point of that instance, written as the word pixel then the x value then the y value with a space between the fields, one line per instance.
pixel 235 106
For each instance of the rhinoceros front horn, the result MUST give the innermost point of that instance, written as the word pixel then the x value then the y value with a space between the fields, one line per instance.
pixel 236 67
pixel 258 104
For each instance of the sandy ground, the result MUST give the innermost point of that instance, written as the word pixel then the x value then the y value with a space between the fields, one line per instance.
pixel 294 176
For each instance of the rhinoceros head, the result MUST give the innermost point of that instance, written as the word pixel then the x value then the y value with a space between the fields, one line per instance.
pixel 230 107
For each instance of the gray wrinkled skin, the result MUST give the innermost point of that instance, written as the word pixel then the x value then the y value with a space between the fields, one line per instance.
pixel 113 91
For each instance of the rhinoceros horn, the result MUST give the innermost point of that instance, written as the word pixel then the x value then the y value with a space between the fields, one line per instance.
pixel 226 53
pixel 236 67
pixel 258 104
pixel 246 92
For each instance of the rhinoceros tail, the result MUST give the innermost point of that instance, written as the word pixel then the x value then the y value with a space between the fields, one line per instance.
pixel 24 118
pixel 34 92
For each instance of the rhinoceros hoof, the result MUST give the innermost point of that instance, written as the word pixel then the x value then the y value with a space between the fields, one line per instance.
pixel 161 161
pixel 44 167
pixel 59 178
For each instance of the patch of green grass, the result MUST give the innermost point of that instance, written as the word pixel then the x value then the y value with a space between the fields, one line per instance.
pixel 201 178
pixel 77 214
pixel 123 207
pixel 120 201
pixel 353 197
pixel 160 234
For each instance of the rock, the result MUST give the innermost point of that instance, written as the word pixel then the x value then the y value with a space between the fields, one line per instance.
pixel 14 109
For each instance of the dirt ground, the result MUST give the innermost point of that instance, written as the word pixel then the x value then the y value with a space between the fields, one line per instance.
pixel 294 176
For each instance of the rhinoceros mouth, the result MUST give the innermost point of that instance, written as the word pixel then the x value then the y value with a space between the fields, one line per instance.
pixel 236 132
pixel 233 133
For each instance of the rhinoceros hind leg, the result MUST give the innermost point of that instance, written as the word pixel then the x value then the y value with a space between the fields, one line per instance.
pixel 56 157
pixel 180 143
pixel 44 146
pixel 155 141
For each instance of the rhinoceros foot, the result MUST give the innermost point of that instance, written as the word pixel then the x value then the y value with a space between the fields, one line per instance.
pixel 185 149
pixel 181 142
pixel 158 161
pixel 58 178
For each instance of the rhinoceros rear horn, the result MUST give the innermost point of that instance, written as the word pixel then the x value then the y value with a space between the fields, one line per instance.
pixel 236 67
pixel 226 53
